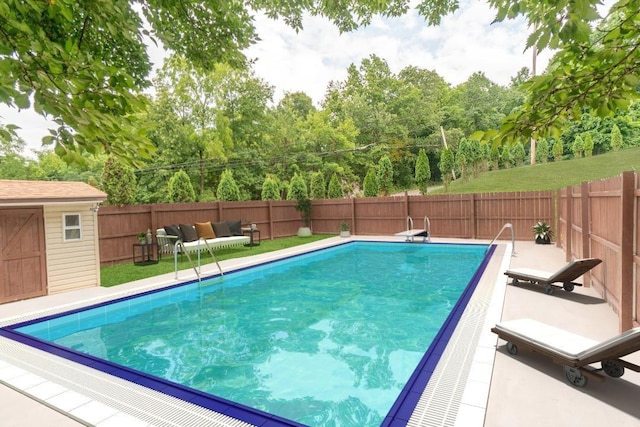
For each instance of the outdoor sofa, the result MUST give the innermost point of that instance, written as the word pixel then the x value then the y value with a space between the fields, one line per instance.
pixel 200 236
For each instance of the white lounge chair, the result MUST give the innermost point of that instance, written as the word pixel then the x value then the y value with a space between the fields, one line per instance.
pixel 573 351
pixel 566 275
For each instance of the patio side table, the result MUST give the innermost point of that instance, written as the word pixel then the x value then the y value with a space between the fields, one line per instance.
pixel 146 253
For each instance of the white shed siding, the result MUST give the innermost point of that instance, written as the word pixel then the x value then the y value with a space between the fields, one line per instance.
pixel 72 264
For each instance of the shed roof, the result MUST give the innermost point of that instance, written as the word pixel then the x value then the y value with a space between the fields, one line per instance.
pixel 18 192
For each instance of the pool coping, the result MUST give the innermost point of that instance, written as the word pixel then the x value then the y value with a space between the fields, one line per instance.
pixel 470 405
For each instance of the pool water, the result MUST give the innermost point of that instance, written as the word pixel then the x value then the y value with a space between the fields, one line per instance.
pixel 326 338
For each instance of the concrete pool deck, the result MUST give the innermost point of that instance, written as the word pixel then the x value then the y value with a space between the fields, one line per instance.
pixel 525 390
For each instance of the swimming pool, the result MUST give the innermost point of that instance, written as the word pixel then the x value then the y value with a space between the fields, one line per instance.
pixel 275 318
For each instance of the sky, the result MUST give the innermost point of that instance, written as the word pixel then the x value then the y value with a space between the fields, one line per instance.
pixel 464 43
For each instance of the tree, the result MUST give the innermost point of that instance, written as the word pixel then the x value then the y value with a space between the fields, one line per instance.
pixel 181 189
pixel 616 138
pixel 506 155
pixel 119 182
pixel 335 190
pixel 518 154
pixel 464 158
pixel 12 164
pixel 597 64
pixel 370 184
pixel 558 150
pixel 384 175
pixel 578 146
pixel 423 171
pixel 447 163
pixel 542 151
pixel 271 188
pixel 461 164
pixel 494 156
pixel 318 190
pixel 297 188
pixel 227 188
pixel 588 145
pixel 84 64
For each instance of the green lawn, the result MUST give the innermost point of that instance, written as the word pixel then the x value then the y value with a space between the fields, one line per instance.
pixel 550 176
pixel 127 272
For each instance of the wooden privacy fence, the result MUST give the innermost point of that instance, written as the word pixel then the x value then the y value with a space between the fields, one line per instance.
pixel 600 219
pixel 467 216
pixel 595 219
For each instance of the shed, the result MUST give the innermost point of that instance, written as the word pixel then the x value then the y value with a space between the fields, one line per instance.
pixel 48 238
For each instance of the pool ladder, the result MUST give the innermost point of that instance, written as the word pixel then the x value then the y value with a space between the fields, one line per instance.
pixel 513 239
pixel 424 232
pixel 179 245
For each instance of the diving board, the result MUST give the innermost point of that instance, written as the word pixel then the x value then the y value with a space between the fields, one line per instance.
pixel 411 233
pixel 414 232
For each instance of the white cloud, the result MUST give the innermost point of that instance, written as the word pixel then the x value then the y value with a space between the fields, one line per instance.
pixel 465 42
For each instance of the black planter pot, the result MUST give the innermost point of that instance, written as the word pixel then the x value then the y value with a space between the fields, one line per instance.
pixel 543 240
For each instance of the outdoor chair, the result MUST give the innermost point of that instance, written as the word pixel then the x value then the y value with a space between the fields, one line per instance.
pixel 573 351
pixel 566 275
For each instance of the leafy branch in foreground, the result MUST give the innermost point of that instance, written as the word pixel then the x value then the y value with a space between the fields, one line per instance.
pixel 596 68
pixel 83 63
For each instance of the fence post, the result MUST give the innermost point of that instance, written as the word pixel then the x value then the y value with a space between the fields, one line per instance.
pixel 472 216
pixel 353 215
pixel 270 213
pixel 586 224
pixel 406 204
pixel 626 251
pixel 586 228
pixel 569 223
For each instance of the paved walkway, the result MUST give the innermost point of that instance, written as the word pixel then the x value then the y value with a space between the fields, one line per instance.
pixel 530 390
pixel 526 390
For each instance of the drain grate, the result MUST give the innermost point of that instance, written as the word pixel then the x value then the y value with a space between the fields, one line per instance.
pixel 440 402
pixel 140 402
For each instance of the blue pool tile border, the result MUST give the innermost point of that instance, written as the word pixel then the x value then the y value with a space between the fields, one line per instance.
pixel 405 404
pixel 398 415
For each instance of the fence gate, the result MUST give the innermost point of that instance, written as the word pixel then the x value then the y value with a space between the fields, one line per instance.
pixel 22 254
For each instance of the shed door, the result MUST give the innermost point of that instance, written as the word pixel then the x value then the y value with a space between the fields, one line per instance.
pixel 22 254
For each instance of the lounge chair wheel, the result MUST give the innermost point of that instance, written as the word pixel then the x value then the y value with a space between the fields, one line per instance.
pixel 512 348
pixel 548 289
pixel 575 377
pixel 568 286
pixel 613 369
pixel 515 282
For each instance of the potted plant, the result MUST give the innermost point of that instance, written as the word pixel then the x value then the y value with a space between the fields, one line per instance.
pixel 542 233
pixel 142 237
pixel 345 230
pixel 303 206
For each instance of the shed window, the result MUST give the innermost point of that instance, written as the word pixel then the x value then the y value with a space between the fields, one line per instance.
pixel 71 227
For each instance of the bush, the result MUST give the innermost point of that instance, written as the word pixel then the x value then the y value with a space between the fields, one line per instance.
pixel 335 188
pixel 119 182
pixel 423 171
pixel 227 188
pixel 297 188
pixel 384 175
pixel 370 185
pixel 180 188
pixel 271 188
pixel 317 186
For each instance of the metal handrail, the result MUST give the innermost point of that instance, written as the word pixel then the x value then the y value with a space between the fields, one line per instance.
pixel 513 238
pixel 427 226
pixel 409 223
pixel 198 270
